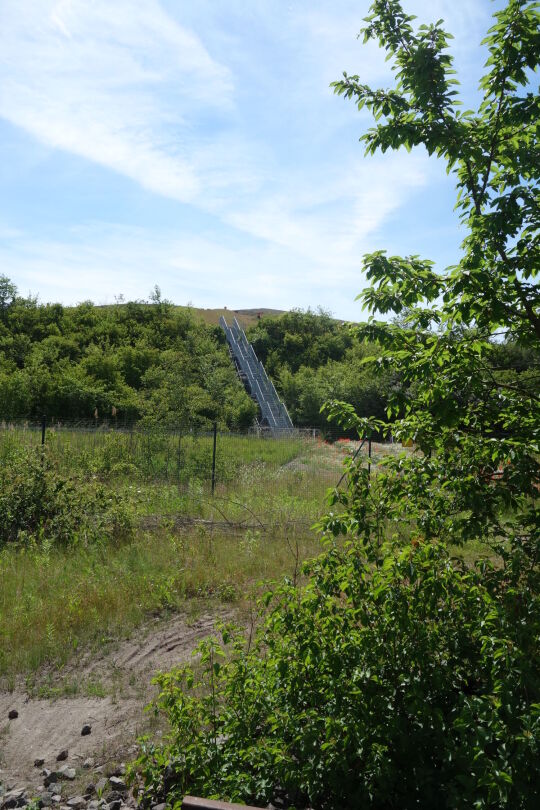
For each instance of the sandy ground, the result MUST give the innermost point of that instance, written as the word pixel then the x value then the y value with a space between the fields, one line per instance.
pixel 45 727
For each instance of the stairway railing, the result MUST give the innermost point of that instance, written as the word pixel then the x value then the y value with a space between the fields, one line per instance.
pixel 273 411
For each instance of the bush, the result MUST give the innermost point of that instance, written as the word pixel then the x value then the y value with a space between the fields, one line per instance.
pixel 406 683
pixel 37 503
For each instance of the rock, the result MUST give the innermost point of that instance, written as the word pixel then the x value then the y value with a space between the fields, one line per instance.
pixel 76 803
pixel 160 806
pixel 101 784
pixel 38 762
pixel 45 800
pixel 56 798
pixel 50 778
pixel 14 798
pixel 117 784
pixel 93 804
pixel 62 755
pixel 67 773
pixel 88 763
pixel 86 729
pixel 168 778
pixel 116 804
pixel 13 714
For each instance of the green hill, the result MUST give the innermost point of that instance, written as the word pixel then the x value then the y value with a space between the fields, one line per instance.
pixel 245 317
pixel 158 362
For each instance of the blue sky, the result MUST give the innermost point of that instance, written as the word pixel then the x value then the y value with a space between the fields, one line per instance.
pixel 198 146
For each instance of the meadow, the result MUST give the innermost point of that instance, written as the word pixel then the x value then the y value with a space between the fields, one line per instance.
pixel 176 545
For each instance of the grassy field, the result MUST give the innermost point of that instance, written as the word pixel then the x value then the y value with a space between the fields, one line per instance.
pixel 189 546
pixel 52 603
pixel 180 456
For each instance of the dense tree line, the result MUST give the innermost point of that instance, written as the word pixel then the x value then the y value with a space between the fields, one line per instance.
pixel 313 358
pixel 157 362
pixel 136 360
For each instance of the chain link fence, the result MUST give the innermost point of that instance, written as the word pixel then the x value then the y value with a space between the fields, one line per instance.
pixel 184 454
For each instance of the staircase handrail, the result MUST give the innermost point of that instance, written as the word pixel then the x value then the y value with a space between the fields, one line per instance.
pixel 273 410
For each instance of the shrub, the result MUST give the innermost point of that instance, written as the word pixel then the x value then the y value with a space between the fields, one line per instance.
pixel 37 502
pixel 410 682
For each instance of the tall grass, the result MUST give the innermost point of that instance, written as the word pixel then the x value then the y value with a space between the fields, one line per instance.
pixel 54 602
pixel 190 545
pixel 155 454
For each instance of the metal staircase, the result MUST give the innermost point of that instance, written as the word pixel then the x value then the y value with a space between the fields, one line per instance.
pixel 259 386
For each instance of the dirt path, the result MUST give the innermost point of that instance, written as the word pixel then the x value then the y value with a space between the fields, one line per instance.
pixel 121 676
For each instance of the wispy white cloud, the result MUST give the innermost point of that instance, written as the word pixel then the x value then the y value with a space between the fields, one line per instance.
pixel 203 269
pixel 332 219
pixel 225 108
pixel 110 81
pixel 304 250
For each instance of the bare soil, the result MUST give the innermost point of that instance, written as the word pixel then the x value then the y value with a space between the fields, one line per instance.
pixel 121 675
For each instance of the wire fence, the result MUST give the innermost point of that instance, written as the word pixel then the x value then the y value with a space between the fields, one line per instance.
pixel 186 455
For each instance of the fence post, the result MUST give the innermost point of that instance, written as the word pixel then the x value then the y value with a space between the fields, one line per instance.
pixel 214 459
pixel 369 456
pixel 43 429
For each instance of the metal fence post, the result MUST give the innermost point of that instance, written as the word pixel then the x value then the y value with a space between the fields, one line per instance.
pixel 214 459
pixel 369 456
pixel 43 429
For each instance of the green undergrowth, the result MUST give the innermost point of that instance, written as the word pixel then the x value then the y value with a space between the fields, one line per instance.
pixel 54 601
pixel 85 557
pixel 155 454
pixel 402 665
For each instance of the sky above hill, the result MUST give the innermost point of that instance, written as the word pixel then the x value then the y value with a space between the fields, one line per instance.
pixel 198 146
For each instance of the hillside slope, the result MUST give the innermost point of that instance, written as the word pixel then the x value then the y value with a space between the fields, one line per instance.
pixel 245 317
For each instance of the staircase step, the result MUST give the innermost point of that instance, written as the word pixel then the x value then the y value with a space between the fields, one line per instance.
pixel 252 374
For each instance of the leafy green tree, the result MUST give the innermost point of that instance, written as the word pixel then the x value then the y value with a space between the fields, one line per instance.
pixel 401 676
pixel 145 360
pixel 299 338
pixel 8 293
pixel 476 423
pixel 312 358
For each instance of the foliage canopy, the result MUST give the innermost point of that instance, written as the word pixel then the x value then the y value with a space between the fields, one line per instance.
pixel 149 361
